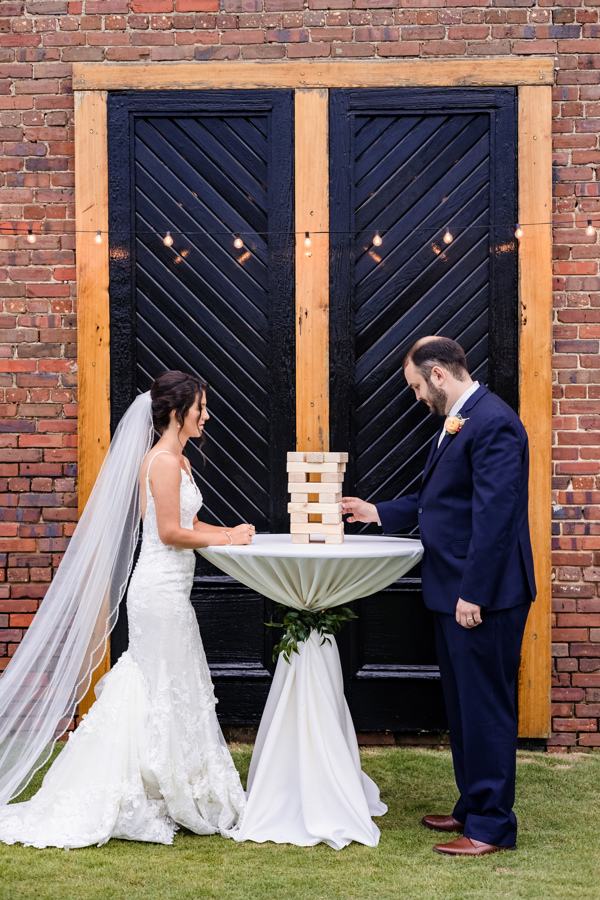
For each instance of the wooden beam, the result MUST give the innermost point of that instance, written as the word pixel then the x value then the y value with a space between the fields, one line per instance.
pixel 535 290
pixel 312 269
pixel 93 355
pixel 328 74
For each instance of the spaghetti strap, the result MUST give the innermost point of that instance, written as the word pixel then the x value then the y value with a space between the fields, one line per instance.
pixel 148 491
pixel 153 458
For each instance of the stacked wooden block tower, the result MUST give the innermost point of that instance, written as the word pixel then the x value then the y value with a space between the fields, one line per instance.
pixel 330 468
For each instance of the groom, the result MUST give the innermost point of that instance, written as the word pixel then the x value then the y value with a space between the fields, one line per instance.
pixel 477 579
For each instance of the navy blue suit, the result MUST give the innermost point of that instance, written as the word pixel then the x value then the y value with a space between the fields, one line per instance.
pixel 472 512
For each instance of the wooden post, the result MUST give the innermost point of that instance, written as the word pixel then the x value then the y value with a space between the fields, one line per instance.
pixel 93 355
pixel 312 269
pixel 535 290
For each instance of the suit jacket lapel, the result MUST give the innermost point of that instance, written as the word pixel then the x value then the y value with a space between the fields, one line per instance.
pixel 437 451
pixel 435 455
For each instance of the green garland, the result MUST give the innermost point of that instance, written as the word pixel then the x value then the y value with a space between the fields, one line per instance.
pixel 298 624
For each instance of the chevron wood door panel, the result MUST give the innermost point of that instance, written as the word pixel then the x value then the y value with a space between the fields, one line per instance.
pixel 206 166
pixel 410 164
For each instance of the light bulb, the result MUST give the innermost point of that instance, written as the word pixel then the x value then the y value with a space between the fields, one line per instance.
pixel 590 230
pixel 168 240
pixel 307 240
pixel 377 240
pixel 448 237
pixel 98 237
pixel 31 236
pixel 238 242
pixel 519 231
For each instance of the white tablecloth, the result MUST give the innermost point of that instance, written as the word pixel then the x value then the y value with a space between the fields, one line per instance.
pixel 305 783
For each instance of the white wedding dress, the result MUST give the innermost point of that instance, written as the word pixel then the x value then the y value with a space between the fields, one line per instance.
pixel 150 755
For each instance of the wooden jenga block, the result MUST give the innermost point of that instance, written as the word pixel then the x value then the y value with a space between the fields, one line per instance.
pixel 333 538
pixel 317 487
pixel 297 498
pixel 316 528
pixel 335 457
pixel 331 477
pixel 297 477
pixel 314 457
pixel 331 508
pixel 327 518
pixel 317 468
pixel 296 456
pixel 331 498
pixel 299 517
pixel 300 538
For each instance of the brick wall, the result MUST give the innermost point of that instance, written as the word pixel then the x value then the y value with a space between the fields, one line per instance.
pixel 39 40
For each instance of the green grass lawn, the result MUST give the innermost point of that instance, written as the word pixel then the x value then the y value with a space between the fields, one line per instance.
pixel 558 805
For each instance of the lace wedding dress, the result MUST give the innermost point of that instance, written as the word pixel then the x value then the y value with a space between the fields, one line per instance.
pixel 150 755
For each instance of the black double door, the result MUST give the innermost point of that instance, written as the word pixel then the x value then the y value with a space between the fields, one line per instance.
pixel 407 164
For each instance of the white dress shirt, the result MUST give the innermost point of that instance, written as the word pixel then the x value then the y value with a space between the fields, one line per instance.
pixel 457 407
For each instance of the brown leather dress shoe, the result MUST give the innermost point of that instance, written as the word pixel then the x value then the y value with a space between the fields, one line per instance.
pixel 465 846
pixel 442 823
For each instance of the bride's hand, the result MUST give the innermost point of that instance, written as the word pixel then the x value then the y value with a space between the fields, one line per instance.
pixel 242 534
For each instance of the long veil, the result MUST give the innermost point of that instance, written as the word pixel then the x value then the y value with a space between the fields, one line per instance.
pixel 52 667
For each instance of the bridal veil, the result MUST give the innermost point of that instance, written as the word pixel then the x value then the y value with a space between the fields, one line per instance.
pixel 52 667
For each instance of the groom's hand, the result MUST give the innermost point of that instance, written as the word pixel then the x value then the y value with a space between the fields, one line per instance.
pixel 359 510
pixel 468 614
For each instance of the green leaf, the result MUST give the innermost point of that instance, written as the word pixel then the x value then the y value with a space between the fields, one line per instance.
pixel 299 624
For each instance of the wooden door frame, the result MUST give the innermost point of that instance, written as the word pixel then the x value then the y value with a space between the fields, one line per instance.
pixel 311 81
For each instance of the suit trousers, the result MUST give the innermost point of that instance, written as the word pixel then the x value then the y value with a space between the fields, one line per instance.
pixel 479 668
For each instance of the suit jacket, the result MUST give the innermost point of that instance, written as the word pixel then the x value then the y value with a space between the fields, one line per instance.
pixel 472 511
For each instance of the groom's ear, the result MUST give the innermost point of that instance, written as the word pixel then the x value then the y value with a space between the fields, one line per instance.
pixel 438 375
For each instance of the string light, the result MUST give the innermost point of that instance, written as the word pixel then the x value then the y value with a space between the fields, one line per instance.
pixel 448 237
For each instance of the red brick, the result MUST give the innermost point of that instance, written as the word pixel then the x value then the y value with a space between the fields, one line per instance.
pixel 444 48
pixel 404 48
pixel 298 51
pixel 585 649
pixel 150 6
pixel 571 695
pixel 575 724
pixel 21 620
pixel 197 5
pixel 12 605
pixel 243 37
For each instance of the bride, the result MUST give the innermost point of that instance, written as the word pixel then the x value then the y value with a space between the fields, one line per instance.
pixel 150 755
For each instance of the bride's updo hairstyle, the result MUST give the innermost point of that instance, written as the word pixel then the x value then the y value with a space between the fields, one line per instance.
pixel 174 391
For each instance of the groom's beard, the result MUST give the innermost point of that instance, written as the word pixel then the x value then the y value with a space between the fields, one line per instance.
pixel 436 400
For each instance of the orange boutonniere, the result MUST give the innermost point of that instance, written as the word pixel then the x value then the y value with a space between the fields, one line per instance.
pixel 453 424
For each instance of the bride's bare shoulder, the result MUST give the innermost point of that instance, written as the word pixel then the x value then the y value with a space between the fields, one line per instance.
pixel 165 462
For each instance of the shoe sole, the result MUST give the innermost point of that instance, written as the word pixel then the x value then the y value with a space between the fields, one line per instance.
pixel 489 853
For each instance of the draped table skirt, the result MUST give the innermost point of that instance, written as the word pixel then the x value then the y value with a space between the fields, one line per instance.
pixel 305 784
